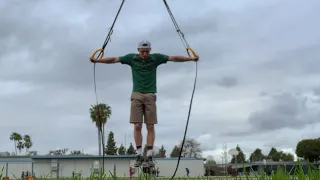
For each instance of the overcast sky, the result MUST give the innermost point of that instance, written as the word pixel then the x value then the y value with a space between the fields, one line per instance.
pixel 258 73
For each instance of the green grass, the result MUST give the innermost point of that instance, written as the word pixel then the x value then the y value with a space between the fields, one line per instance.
pixel 298 174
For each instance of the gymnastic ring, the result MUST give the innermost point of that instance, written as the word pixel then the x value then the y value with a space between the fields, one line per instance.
pixel 98 50
pixel 192 51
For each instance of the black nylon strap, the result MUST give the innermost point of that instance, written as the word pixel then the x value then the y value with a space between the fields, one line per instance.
pixel 108 38
pixel 185 43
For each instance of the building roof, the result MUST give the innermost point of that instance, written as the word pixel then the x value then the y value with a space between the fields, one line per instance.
pixel 15 159
pixel 270 163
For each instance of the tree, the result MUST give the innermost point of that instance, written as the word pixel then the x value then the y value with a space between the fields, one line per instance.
pixel 99 115
pixel 309 149
pixel 241 158
pixel 20 146
pixel 27 142
pixel 76 152
pixel 286 156
pixel 15 137
pixel 161 153
pixel 257 155
pixel 210 162
pixel 32 153
pixel 111 148
pixel 58 152
pixel 175 151
pixel 273 154
pixel 122 150
pixel 131 150
pixel 276 155
pixel 210 167
pixel 191 148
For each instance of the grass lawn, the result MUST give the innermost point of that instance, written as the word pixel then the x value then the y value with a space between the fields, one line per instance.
pixel 313 174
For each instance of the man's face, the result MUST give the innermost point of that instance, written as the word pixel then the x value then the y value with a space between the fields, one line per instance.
pixel 144 52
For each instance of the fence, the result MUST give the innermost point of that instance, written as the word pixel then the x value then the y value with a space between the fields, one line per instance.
pixel 255 168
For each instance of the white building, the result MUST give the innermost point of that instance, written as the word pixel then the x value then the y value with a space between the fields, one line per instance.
pixel 86 165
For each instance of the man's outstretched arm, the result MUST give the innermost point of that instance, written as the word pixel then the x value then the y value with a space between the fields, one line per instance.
pixel 182 58
pixel 126 59
pixel 106 60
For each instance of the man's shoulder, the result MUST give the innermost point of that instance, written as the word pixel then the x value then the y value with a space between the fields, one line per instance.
pixel 160 58
pixel 157 54
pixel 131 55
pixel 127 58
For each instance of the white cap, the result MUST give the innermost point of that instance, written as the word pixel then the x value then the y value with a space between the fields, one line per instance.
pixel 144 44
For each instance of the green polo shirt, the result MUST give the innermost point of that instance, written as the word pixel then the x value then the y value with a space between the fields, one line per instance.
pixel 144 72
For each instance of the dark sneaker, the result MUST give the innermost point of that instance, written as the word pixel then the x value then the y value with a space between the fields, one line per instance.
pixel 149 162
pixel 139 161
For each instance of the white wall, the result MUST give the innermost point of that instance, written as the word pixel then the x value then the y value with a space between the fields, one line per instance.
pixel 168 166
pixel 15 168
pixel 84 166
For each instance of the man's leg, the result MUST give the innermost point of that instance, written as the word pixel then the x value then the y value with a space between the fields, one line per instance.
pixel 150 112
pixel 136 118
pixel 138 137
pixel 150 138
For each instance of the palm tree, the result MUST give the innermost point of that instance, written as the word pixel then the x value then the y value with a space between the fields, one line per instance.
pixel 15 137
pixel 27 142
pixel 20 145
pixel 99 115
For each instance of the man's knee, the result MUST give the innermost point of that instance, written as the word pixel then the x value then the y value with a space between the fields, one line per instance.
pixel 136 111
pixel 150 109
pixel 137 126
pixel 150 127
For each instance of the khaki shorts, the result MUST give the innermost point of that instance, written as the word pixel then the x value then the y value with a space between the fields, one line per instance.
pixel 143 105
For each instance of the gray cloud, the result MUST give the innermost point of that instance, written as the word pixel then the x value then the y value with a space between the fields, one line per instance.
pixel 316 91
pixel 286 111
pixel 227 82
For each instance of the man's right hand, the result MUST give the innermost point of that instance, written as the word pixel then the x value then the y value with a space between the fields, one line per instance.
pixel 93 60
pixel 195 58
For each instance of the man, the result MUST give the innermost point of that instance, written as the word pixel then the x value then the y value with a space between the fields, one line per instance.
pixel 188 171
pixel 131 171
pixel 143 98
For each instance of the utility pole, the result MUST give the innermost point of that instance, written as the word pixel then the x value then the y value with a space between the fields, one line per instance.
pixel 125 140
pixel 225 156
